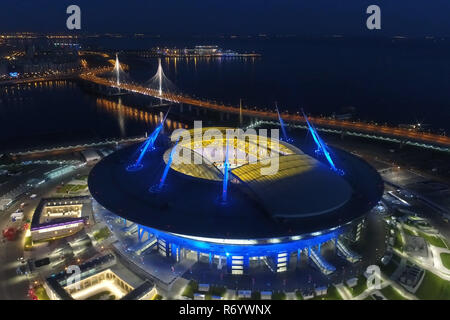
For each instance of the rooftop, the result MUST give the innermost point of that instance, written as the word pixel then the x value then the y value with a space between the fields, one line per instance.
pixel 304 197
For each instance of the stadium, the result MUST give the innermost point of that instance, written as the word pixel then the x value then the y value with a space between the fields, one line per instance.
pixel 226 213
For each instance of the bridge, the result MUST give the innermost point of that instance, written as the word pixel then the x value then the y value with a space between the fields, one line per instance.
pixel 162 88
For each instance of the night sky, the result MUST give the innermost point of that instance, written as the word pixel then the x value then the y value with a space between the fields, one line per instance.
pixel 214 17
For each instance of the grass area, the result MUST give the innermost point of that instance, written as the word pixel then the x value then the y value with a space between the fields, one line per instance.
pixel 215 291
pixel 433 288
pixel 398 241
pixel 256 295
pixel 157 297
pixel 71 188
pixel 391 294
pixel 41 293
pixel 190 289
pixel 299 295
pixel 278 295
pixel 445 258
pixel 409 232
pixel 360 286
pixel 101 234
pixel 434 240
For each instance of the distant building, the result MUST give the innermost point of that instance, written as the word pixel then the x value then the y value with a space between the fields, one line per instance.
pixel 55 173
pixel 100 277
pixel 90 156
pixel 58 218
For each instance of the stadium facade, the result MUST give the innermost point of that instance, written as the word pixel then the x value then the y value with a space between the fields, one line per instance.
pixel 270 218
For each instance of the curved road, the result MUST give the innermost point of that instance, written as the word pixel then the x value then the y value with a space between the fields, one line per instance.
pixel 396 132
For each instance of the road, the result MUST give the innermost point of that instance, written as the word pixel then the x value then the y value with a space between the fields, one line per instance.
pixel 12 285
pixel 401 133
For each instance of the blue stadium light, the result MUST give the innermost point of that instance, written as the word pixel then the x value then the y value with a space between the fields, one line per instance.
pixel 228 250
pixel 321 146
pixel 282 125
pixel 166 169
pixel 225 177
pixel 149 144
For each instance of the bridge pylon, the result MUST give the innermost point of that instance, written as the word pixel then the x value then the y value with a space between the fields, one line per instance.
pixel 117 70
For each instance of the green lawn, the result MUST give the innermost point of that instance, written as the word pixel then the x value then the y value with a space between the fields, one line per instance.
pixel 433 288
pixel 256 295
pixel 72 188
pixel 332 294
pixel 41 293
pixel 409 232
pixel 391 294
pixel 190 289
pixel 360 286
pixel 445 258
pixel 278 296
pixel 101 234
pixel 398 242
pixel 215 291
pixel 434 240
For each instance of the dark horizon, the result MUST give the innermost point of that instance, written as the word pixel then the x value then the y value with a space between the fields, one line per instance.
pixel 415 18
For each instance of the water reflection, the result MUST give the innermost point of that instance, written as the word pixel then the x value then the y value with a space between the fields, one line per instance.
pixel 127 112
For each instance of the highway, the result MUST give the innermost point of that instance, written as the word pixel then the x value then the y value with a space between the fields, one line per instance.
pixel 345 125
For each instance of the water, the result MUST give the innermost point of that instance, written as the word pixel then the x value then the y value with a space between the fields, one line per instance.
pixel 61 113
pixel 401 81
pixel 385 80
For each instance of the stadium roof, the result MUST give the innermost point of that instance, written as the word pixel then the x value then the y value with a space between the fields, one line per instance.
pixel 303 197
pixel 300 179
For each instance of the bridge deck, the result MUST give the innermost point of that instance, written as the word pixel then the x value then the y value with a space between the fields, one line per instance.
pixel 294 118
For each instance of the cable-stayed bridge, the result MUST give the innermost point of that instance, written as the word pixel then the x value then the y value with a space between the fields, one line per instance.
pixel 159 86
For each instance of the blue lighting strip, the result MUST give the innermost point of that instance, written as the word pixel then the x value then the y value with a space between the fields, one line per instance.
pixel 321 146
pixel 251 250
pixel 151 140
pixel 225 177
pixel 283 129
pixel 166 169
